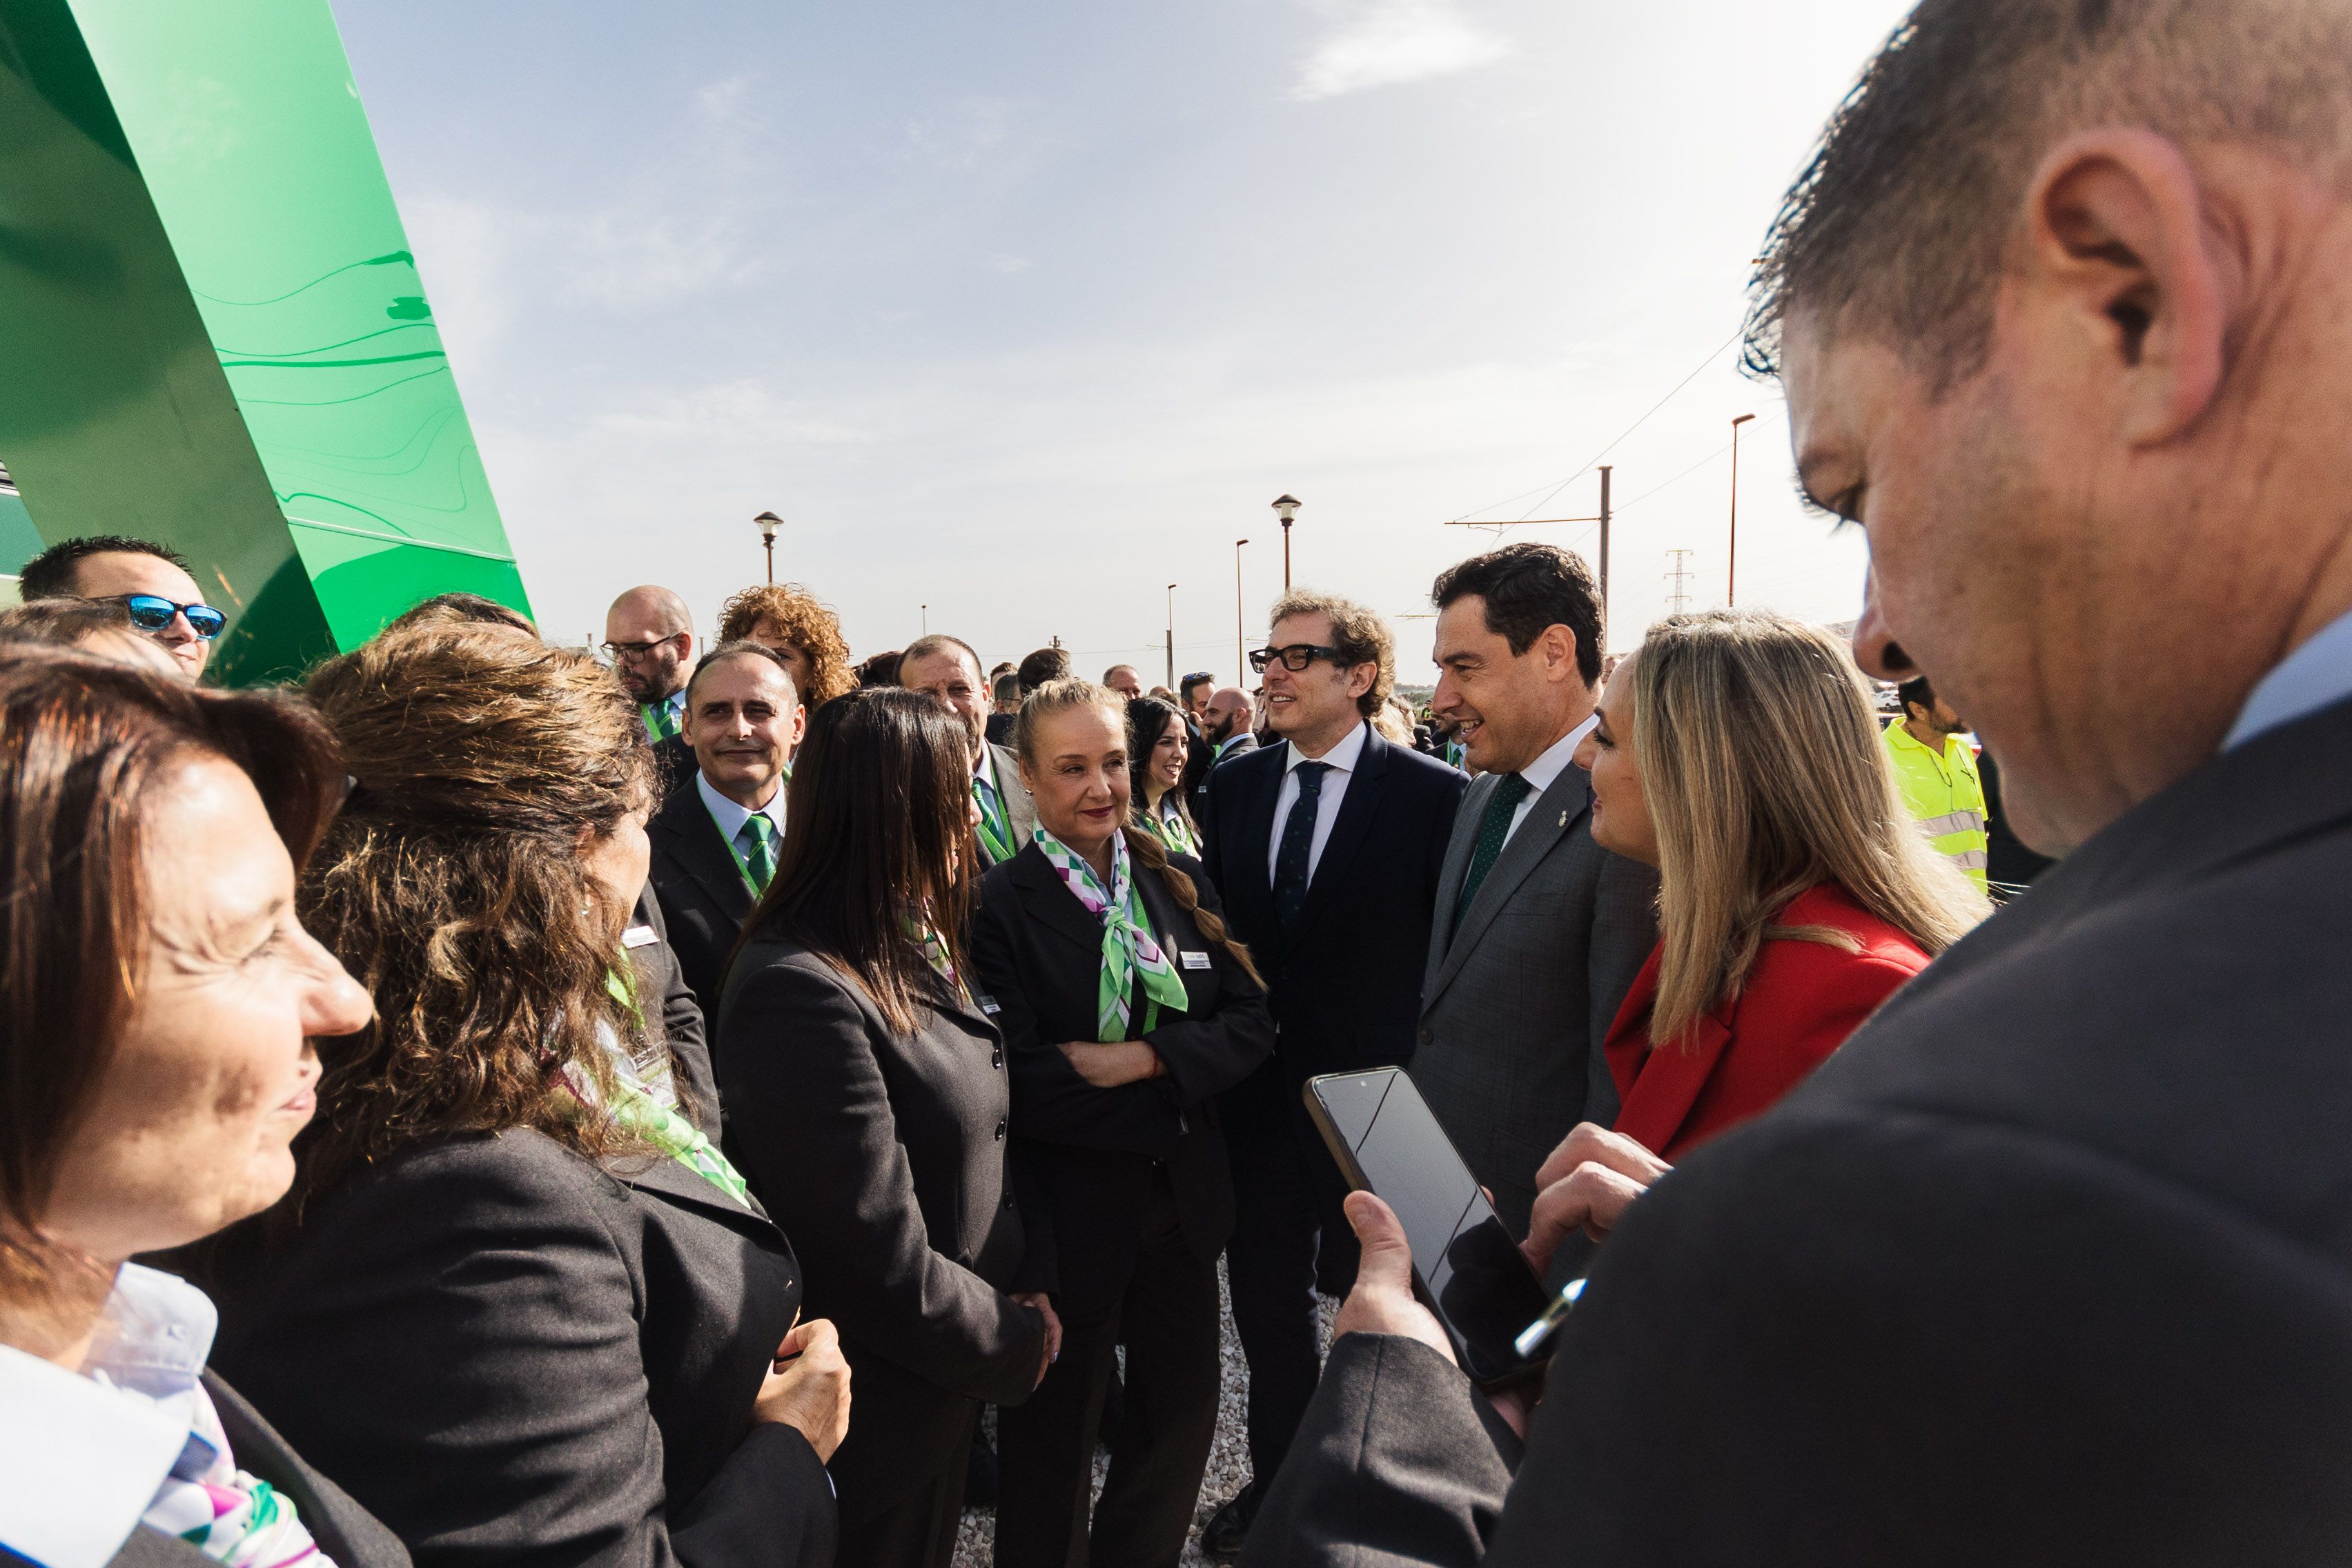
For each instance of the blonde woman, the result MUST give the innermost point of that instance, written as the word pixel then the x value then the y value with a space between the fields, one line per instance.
pixel 1736 752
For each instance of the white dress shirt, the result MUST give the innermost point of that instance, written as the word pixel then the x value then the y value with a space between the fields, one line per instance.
pixel 2311 678
pixel 1341 760
pixel 84 1453
pixel 1545 770
pixel 731 818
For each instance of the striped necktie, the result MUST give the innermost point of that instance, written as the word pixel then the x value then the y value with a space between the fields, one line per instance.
pixel 757 840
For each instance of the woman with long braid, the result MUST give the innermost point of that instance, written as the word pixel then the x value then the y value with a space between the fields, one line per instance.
pixel 1124 1009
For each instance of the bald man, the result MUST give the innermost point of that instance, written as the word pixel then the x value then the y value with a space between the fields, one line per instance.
pixel 650 636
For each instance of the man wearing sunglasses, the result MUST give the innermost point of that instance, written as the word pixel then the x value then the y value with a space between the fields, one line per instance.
pixel 151 580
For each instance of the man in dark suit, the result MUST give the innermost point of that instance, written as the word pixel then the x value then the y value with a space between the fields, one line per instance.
pixel 1225 733
pixel 715 841
pixel 1538 930
pixel 948 669
pixel 1327 849
pixel 2049 1265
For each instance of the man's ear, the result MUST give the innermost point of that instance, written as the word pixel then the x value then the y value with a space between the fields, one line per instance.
pixel 2118 246
pixel 1557 644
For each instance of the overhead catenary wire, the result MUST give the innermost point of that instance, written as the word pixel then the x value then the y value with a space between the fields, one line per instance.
pixel 1715 354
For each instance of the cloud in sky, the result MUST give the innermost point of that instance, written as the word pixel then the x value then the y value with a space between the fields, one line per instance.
pixel 1390 41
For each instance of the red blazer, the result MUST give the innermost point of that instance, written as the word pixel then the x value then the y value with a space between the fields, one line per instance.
pixel 1801 1000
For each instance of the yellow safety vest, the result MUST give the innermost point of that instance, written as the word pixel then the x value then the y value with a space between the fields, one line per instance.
pixel 1944 794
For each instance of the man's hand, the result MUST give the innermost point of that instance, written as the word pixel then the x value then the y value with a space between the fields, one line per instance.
pixel 1038 1299
pixel 1587 1184
pixel 1383 1302
pixel 808 1387
pixel 1107 1066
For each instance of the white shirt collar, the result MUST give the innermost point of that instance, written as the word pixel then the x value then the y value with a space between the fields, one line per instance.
pixel 731 818
pixel 84 1453
pixel 1546 768
pixel 1343 756
pixel 2313 676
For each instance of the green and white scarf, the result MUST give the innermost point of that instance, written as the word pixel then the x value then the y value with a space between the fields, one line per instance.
pixel 926 935
pixel 646 1104
pixel 1167 825
pixel 1128 948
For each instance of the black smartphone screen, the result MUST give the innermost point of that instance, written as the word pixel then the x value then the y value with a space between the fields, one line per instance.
pixel 1475 1275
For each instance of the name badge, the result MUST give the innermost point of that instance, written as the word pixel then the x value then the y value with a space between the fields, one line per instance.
pixel 988 1005
pixel 639 936
pixel 1194 960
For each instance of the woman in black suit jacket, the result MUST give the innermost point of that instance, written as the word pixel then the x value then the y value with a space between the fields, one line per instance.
pixel 866 1094
pixel 519 1305
pixel 1126 1011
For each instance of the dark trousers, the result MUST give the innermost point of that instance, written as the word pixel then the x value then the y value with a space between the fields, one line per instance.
pixel 1044 1447
pixel 917 1532
pixel 1287 1195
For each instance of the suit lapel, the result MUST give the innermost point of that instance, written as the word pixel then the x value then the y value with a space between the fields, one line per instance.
pixel 1552 817
pixel 659 1174
pixel 1020 811
pixel 1356 808
pixel 1459 846
pixel 1054 906
pixel 693 841
pixel 1668 1084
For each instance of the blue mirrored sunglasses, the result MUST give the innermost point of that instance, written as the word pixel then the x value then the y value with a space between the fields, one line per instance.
pixel 152 612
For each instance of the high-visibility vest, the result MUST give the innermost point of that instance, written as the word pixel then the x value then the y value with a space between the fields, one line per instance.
pixel 1944 795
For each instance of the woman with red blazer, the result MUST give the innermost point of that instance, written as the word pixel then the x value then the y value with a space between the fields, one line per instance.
pixel 1736 751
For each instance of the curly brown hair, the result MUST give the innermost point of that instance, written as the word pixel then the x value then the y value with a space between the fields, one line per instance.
pixel 453 887
pixel 799 617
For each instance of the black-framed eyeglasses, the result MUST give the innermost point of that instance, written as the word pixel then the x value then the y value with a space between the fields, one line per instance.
pixel 153 612
pixel 634 651
pixel 1298 655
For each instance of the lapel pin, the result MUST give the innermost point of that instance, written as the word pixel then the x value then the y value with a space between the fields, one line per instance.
pixel 1563 819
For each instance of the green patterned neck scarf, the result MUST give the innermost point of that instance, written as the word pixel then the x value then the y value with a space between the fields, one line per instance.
pixel 1167 825
pixel 925 935
pixel 1128 949
pixel 995 826
pixel 648 1106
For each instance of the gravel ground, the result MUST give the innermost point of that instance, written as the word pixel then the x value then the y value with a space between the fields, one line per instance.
pixel 1229 1466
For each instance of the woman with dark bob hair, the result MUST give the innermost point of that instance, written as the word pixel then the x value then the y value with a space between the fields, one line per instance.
pixel 865 1091
pixel 519 1297
pixel 157 1003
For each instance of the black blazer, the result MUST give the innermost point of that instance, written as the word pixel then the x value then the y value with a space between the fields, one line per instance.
pixel 2048 1266
pixel 659 975
pixel 1347 989
pixel 511 1354
pixel 884 1154
pixel 344 1530
pixel 1089 1151
pixel 702 892
pixel 1236 746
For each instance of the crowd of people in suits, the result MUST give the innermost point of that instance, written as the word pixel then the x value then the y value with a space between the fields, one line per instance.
pixel 736 1069
pixel 489 1106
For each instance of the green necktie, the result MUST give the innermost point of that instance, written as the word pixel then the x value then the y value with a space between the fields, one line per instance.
pixel 660 723
pixel 995 827
pixel 1493 826
pixel 756 842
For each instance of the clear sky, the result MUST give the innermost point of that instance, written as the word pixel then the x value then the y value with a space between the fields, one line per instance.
pixel 1025 310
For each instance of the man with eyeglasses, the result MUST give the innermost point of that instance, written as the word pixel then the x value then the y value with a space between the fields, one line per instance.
pixel 649 636
pixel 152 581
pixel 1328 845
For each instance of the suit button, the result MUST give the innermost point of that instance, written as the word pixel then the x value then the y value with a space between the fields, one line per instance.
pixel 996 1058
pixel 1008 1200
pixel 1426 1037
pixel 999 1131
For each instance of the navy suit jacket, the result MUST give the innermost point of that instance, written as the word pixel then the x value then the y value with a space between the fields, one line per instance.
pixel 1346 990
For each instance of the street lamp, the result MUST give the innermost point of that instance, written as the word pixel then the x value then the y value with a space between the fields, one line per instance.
pixel 1238 661
pixel 1731 557
pixel 1285 507
pixel 1171 636
pixel 769 523
pixel 927 618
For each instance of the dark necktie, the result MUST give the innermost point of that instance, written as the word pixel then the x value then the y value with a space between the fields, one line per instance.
pixel 1493 826
pixel 1297 838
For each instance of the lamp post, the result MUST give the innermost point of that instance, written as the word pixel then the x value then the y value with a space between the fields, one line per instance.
pixel 1731 556
pixel 769 523
pixel 1285 507
pixel 927 618
pixel 1237 608
pixel 1171 636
